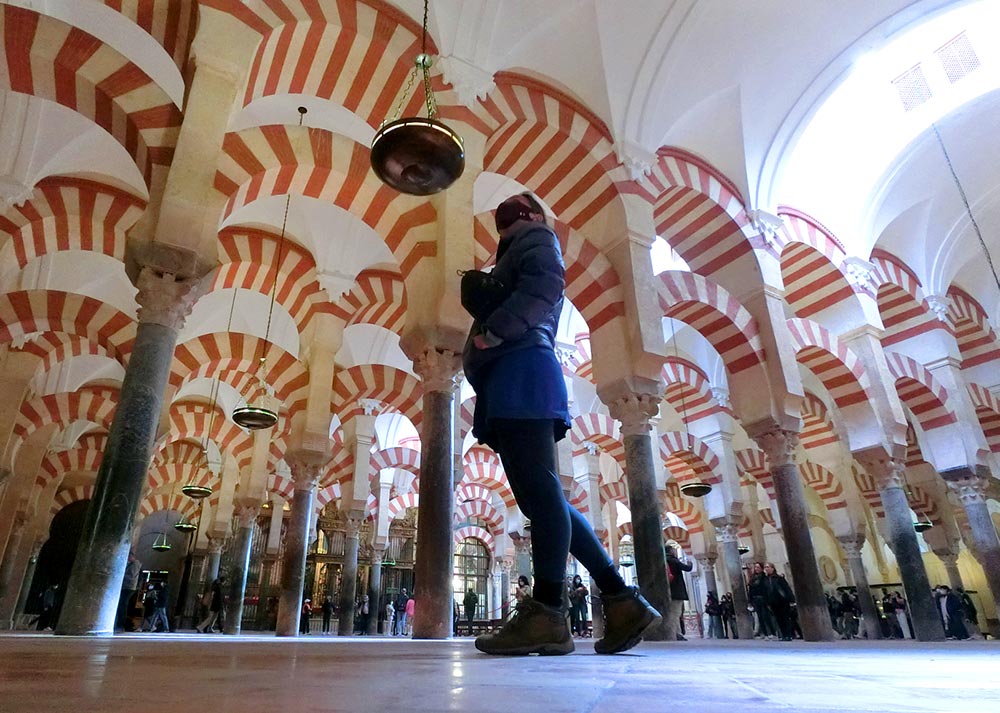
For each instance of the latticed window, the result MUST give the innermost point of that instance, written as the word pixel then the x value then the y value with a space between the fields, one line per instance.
pixel 958 58
pixel 912 87
pixel 472 569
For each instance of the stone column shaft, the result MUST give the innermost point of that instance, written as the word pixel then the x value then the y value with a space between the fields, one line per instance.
pixel 707 566
pixel 12 562
pixel 888 475
pixel 634 412
pixel 214 559
pixel 349 578
pixel 972 492
pixel 305 472
pixel 375 605
pixel 856 566
pixel 730 546
pixel 29 576
pixel 950 562
pixel 814 616
pixel 247 514
pixel 432 571
pixel 94 587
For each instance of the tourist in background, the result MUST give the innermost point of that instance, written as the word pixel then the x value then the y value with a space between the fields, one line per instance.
pixel 327 609
pixel 728 617
pixel 757 591
pixel 849 614
pixel 678 593
pixel 952 613
pixel 780 598
pixel 307 611
pixel 714 611
pixel 902 615
pixel 578 605
pixel 523 590
pixel 215 604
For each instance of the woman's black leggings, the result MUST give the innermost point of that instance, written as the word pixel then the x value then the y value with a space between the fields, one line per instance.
pixel 527 449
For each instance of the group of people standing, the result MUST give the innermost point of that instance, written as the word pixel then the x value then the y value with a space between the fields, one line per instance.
pixel 721 615
pixel 773 602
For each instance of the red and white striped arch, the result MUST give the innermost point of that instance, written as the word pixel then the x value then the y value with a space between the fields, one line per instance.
pixel 753 462
pixel 70 214
pixel 977 341
pixel 251 262
pixel 812 282
pixel 482 510
pixel 401 503
pixel 315 163
pixel 465 415
pixel 158 502
pixel 602 431
pixel 61 463
pixel 68 496
pixel 683 508
pixel 920 391
pixel 578 498
pixel 365 55
pixel 914 454
pixel 817 426
pixel 544 139
pixel 866 486
pixel 715 314
pixel 234 353
pixel 988 411
pixel 592 283
pixel 52 60
pixel 923 504
pixel 172 23
pixel 181 452
pixel 197 421
pixel 165 474
pixel 324 496
pixel 489 473
pixel 56 347
pixel 378 297
pixel 903 309
pixel 405 458
pixel 839 368
pixel 688 391
pixel 824 483
pixel 394 388
pixel 689 458
pixel 470 491
pixel 677 168
pixel 477 533
pixel 614 491
pixel 93 404
pixel 677 534
pixel 25 312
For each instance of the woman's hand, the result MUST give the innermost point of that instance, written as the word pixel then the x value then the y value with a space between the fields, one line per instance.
pixel 486 340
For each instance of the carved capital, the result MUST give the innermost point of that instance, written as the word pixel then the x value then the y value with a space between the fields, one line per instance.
pixel 637 159
pixel 939 305
pixel 947 557
pixel 215 544
pixel 888 472
pixel 721 396
pixel 970 491
pixel 306 467
pixel 376 556
pixel 778 445
pixel 634 412
pixel 851 545
pixel 506 565
pixel 859 273
pixel 353 520
pixel 706 561
pixel 469 82
pixel 438 370
pixel 727 533
pixel 13 193
pixel 247 512
pixel 165 300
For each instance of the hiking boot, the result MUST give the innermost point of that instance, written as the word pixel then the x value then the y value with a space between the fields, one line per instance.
pixel 533 629
pixel 626 616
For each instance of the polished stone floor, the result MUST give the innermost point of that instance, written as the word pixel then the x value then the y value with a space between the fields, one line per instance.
pixel 215 674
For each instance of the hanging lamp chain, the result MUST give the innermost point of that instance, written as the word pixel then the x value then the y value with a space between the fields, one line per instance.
pixel 677 358
pixel 422 65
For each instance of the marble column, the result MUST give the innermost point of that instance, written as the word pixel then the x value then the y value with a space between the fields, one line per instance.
pixel 432 571
pixel 29 576
pixel 814 616
pixel 215 545
pixel 728 536
pixel 349 576
pixel 950 561
pixel 634 411
pixel 506 565
pixel 852 545
pixel 247 513
pixel 706 564
pixel 376 605
pixel 596 611
pixel 8 569
pixel 305 475
pixel 165 299
pixel 888 474
pixel 971 491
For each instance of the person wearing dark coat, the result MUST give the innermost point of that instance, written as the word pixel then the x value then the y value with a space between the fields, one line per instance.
pixel 952 613
pixel 780 598
pixel 757 591
pixel 678 593
pixel 521 411
pixel 970 607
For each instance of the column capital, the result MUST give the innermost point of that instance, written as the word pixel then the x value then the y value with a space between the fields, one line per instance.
pixel 20 519
pixel 947 557
pixel 438 369
pixel 634 411
pixel 706 559
pixel 306 467
pixel 247 512
pixel 726 532
pixel 376 556
pixel 969 491
pixel 353 519
pixel 215 544
pixel 778 444
pixel 169 280
pixel 506 565
pixel 887 471
pixel 851 545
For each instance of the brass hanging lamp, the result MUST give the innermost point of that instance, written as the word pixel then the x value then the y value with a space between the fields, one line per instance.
pixel 417 155
pixel 185 525
pixel 160 544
